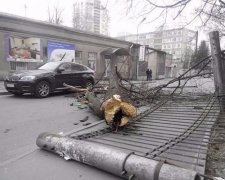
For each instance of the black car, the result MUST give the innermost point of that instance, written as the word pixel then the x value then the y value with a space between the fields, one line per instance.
pixel 49 78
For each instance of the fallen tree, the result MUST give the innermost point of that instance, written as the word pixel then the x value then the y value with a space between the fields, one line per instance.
pixel 116 111
pixel 115 107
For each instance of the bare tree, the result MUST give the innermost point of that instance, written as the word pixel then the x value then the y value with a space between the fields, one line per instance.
pixel 202 52
pixel 55 17
pixel 205 11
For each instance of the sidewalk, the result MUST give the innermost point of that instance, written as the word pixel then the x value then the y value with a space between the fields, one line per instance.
pixel 202 85
pixel 2 89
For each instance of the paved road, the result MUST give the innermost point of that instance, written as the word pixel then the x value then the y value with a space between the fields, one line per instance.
pixel 22 119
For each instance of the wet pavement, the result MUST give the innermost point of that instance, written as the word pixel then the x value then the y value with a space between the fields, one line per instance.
pixel 22 119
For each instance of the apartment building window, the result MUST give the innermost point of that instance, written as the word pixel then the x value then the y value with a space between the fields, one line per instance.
pixel 178 52
pixel 158 47
pixel 166 40
pixel 92 56
pixel 178 39
pixel 157 40
pixel 169 40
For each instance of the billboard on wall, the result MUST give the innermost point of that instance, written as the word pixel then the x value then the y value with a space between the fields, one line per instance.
pixel 58 51
pixel 22 49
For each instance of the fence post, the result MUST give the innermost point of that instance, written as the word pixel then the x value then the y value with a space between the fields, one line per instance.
pixel 218 67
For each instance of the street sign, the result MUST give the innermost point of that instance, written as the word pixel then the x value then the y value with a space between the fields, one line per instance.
pixel 142 53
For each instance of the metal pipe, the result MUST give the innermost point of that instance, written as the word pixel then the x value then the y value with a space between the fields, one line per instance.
pixel 112 160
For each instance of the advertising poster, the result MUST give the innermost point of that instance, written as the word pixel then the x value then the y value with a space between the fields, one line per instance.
pixel 58 51
pixel 23 49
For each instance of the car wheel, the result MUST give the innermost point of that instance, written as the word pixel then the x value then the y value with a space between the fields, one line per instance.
pixel 89 84
pixel 42 89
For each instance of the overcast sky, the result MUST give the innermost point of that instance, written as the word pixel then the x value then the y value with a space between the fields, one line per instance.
pixel 120 21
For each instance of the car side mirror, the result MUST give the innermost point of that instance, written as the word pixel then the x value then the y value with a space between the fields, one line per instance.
pixel 61 69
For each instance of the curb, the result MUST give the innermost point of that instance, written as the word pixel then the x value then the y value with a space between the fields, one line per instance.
pixel 4 93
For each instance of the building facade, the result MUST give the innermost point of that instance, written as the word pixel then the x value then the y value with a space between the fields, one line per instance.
pixel 179 42
pixel 28 43
pixel 154 60
pixel 89 15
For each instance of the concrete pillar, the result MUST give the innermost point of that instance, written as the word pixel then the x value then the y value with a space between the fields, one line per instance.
pixel 218 67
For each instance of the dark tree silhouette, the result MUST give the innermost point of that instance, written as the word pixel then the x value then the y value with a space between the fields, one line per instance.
pixel 202 52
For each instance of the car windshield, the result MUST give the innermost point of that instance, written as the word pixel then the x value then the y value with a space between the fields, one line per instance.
pixel 50 66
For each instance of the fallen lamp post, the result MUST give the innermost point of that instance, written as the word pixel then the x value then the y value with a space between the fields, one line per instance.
pixel 123 164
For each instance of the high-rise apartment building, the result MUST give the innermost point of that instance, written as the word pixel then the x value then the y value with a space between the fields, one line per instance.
pixel 89 16
pixel 104 21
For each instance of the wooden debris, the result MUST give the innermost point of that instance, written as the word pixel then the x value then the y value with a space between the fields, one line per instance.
pixel 75 89
pixel 96 90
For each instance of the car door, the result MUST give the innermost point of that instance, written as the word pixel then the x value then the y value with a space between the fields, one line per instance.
pixel 63 76
pixel 77 74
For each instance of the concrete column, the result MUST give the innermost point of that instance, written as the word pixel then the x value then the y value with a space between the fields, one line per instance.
pixel 218 67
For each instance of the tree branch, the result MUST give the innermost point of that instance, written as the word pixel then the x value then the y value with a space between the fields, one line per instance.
pixel 177 4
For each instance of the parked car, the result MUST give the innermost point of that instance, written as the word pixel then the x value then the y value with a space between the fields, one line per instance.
pixel 49 78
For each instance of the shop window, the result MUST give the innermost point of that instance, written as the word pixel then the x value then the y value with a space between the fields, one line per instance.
pixel 78 54
pixel 92 56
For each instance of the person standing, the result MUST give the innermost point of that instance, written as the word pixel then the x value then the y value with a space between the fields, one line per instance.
pixel 149 74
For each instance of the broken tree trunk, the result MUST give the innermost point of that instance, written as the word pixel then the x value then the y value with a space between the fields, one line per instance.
pixel 93 102
pixel 116 112
pixel 116 109
pixel 114 81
